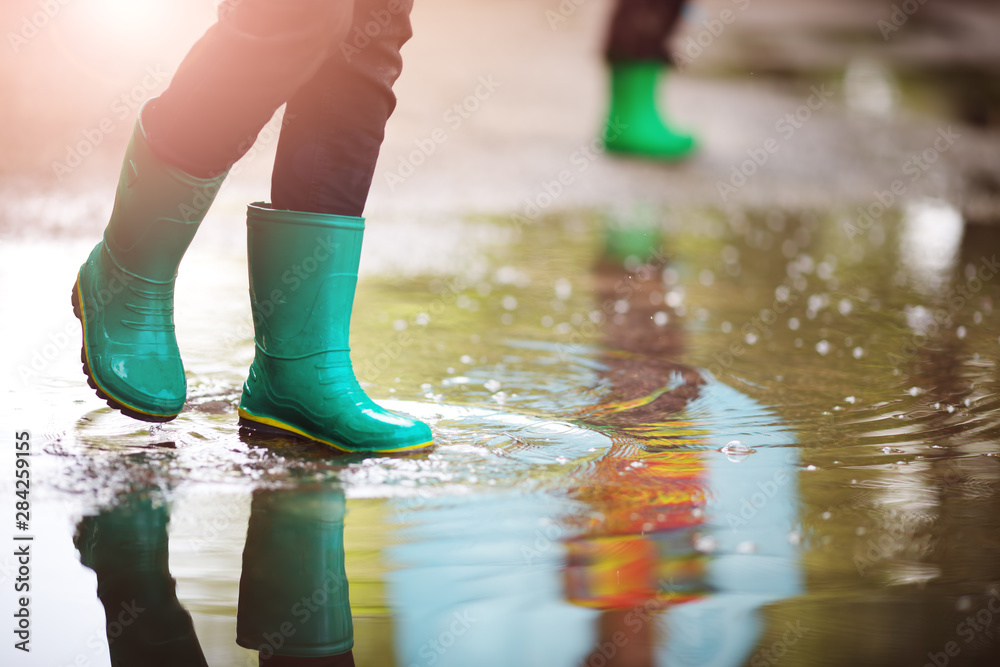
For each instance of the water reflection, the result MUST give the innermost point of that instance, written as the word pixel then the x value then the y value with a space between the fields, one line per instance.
pixel 660 551
pixel 293 597
pixel 126 547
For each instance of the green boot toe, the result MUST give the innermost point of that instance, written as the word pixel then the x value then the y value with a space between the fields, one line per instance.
pixel 129 351
pixel 124 292
pixel 301 380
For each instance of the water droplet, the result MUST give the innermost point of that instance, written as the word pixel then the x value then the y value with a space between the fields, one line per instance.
pixel 887 450
pixel 746 548
pixel 826 515
pixel 851 399
pixel 960 332
pixel 736 450
pixel 793 323
pixel 858 352
pixel 466 359
pixel 564 289
pixel 706 544
pixel 660 318
pixel 810 467
pixel 509 302
pixel 823 347
pixel 492 385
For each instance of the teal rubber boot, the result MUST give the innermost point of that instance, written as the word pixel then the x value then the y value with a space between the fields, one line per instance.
pixel 634 123
pixel 124 292
pixel 294 599
pixel 303 273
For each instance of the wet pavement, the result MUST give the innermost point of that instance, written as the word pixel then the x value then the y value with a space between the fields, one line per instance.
pixel 717 413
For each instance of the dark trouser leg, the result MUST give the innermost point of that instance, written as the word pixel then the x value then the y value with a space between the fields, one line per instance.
pixel 640 29
pixel 234 78
pixel 335 123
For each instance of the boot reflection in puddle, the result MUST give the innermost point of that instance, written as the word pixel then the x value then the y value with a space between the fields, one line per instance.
pixel 126 547
pixel 293 605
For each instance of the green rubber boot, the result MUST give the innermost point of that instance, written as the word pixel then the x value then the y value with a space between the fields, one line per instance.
pixel 634 123
pixel 303 272
pixel 124 292
pixel 293 587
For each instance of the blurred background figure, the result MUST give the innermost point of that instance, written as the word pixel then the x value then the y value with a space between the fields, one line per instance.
pixel 639 60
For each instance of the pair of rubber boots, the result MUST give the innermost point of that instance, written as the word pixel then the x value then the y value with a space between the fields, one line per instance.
pixel 635 125
pixel 301 380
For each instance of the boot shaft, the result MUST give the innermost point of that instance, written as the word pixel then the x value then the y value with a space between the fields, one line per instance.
pixel 157 211
pixel 303 273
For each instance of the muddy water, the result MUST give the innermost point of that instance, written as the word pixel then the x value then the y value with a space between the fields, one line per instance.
pixel 671 437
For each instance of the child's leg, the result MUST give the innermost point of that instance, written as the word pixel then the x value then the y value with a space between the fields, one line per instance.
pixel 248 64
pixel 638 56
pixel 640 29
pixel 304 249
pixel 334 125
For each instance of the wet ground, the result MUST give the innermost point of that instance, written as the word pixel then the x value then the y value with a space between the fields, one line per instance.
pixel 676 423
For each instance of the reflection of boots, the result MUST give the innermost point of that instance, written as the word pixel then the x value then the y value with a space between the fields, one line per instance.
pixel 634 123
pixel 303 272
pixel 293 590
pixel 124 293
pixel 126 547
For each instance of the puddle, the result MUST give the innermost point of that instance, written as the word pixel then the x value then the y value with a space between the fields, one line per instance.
pixel 746 438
